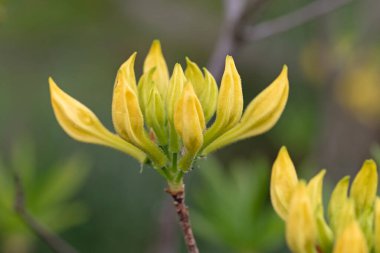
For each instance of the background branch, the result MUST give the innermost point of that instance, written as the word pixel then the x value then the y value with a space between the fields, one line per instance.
pixel 235 13
pixel 55 243
pixel 299 17
pixel 234 32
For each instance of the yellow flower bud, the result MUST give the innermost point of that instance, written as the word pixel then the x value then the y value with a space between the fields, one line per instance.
pixel 205 87
pixel 176 84
pixel 145 87
pixel 230 103
pixel 81 123
pixel 363 192
pixel 301 233
pixel 156 116
pixel 351 240
pixel 283 182
pixel 364 187
pixel 126 107
pixel 260 116
pixel 189 123
pixel 155 59
pixel 125 77
pixel 127 71
pixel 314 188
pixel 338 200
pixel 377 225
pixel 324 233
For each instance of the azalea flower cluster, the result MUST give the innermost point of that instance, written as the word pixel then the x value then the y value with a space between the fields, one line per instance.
pixel 165 120
pixel 354 215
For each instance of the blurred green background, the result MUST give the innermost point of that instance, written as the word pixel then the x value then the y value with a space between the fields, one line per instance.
pixel 331 121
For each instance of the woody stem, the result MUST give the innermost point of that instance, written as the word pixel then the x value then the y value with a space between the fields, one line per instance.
pixel 178 195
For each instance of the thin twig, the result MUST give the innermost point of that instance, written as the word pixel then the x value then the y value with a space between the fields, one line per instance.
pixel 184 219
pixel 236 11
pixel 55 243
pixel 289 21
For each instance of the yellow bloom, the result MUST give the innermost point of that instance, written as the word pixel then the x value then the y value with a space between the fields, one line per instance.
pixel 339 205
pixel 260 116
pixel 377 226
pixel 364 187
pixel 351 240
pixel 283 182
pixel 301 234
pixel 189 122
pixel 82 124
pixel 353 218
pixel 162 121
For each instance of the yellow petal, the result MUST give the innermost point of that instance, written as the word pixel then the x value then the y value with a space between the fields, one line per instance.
pixel 283 182
pixel 127 72
pixel 364 187
pixel 156 116
pixel 189 122
pixel 324 233
pixel 300 223
pixel 205 87
pixel 125 77
pixel 261 114
pixel 377 226
pixel 136 131
pixel 145 86
pixel 129 121
pixel 314 188
pixel 155 59
pixel 230 103
pixel 339 199
pixel 82 124
pixel 351 240
pixel 210 96
pixel 176 84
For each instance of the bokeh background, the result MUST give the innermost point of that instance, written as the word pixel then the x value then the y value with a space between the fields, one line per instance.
pixel 98 199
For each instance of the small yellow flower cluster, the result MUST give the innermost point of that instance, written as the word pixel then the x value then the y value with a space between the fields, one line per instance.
pixel 354 216
pixel 162 119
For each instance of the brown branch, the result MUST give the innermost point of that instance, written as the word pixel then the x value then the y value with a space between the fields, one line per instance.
pixel 184 219
pixel 55 243
pixel 289 21
pixel 235 12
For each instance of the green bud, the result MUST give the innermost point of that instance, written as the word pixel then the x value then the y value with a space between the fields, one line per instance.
pixel 205 87
pixel 145 86
pixel 155 116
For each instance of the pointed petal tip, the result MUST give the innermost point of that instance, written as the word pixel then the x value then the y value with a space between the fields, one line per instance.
pixel 229 59
pixel 156 46
pixel 284 72
pixel 188 61
pixel 51 81
pixel 283 151
pixel 133 55
pixel 53 85
pixel 323 172
pixel 370 162
pixel 130 60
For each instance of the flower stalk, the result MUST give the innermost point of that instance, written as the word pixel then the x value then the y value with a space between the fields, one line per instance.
pixel 178 196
